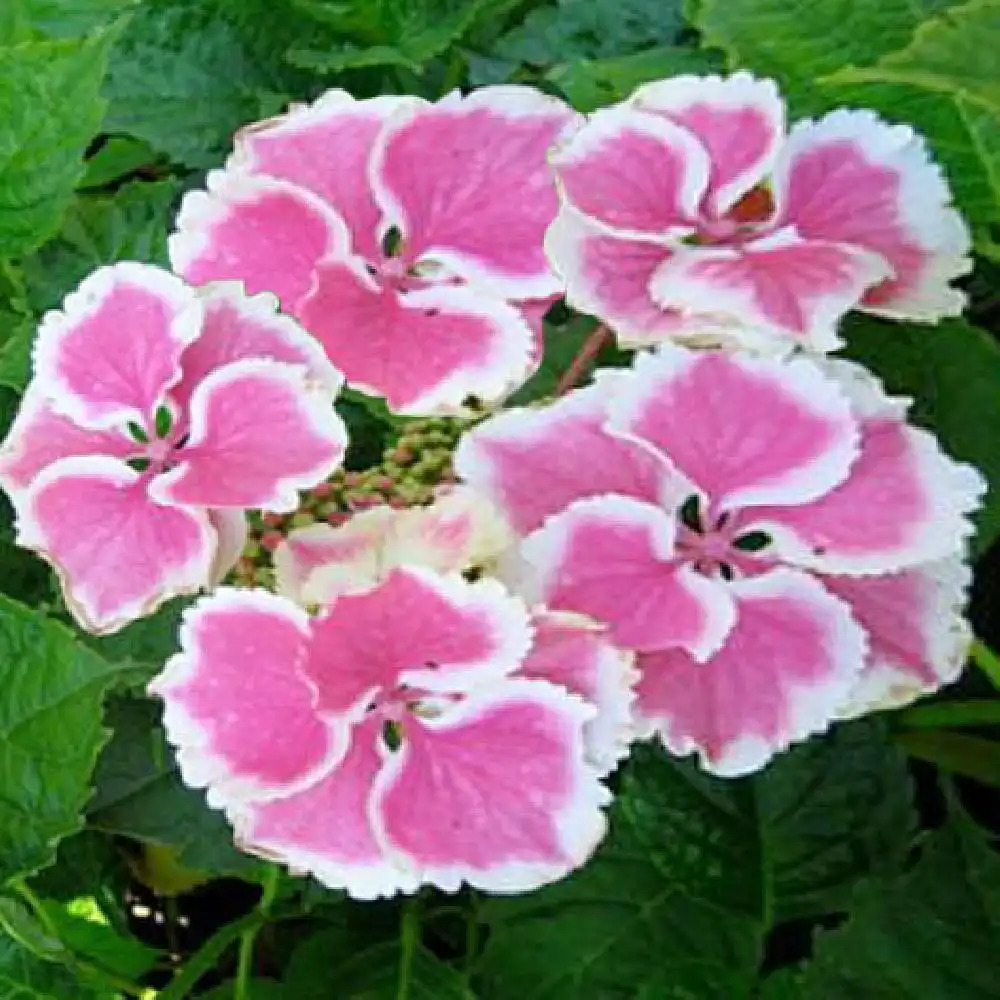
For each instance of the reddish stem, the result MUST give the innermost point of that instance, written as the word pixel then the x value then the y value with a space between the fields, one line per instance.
pixel 578 367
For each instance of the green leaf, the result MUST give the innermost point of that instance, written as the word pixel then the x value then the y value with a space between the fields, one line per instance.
pixel 950 53
pixel 591 83
pixel 181 79
pixel 697 871
pixel 118 157
pixel 953 372
pixel 406 33
pixel 17 328
pixel 138 793
pixel 131 224
pixel 50 107
pixel 24 976
pixel 956 753
pixel 562 342
pixel 50 735
pixel 931 933
pixel 72 18
pixel 591 29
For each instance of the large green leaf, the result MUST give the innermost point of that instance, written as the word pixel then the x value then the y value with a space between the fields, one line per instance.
pixel 181 78
pixel 139 794
pixel 953 372
pixel 697 870
pixel 50 108
pixel 931 933
pixel 131 224
pixel 71 18
pixel 950 53
pixel 50 735
pixel 24 976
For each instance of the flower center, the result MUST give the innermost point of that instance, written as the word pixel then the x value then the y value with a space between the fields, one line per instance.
pixel 715 545
pixel 746 220
pixel 155 447
pixel 393 706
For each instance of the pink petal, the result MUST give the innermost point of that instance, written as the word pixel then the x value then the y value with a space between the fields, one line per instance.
pixel 608 276
pixel 917 633
pixel 112 352
pixel 533 462
pixel 325 829
pixel 905 502
pixel 325 148
pixel 420 629
pixel 741 430
pixel 635 173
pixel 267 233
pixel 800 288
pixel 231 529
pixel 738 119
pixel 238 327
pixel 784 670
pixel 236 707
pixel 575 653
pixel 426 351
pixel 39 436
pixel 852 178
pixel 119 553
pixel 259 433
pixel 467 184
pixel 495 792
pixel 612 558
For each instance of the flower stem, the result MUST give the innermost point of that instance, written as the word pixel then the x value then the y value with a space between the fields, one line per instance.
pixel 244 962
pixel 589 350
pixel 409 938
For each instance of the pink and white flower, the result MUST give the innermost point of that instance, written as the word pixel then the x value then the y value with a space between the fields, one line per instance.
pixel 774 540
pixel 406 236
pixel 688 212
pixel 155 417
pixel 459 532
pixel 404 736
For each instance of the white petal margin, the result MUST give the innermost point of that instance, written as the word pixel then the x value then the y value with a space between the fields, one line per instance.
pixel 263 309
pixel 187 578
pixel 59 324
pixel 581 823
pixel 600 137
pixel 315 410
pixel 228 190
pixel 544 551
pixel 811 709
pixel 510 101
pixel 508 364
pixel 885 682
pixel 509 622
pixel 725 94
pixel 199 766
pixel 796 378
pixel 677 284
pixel 924 204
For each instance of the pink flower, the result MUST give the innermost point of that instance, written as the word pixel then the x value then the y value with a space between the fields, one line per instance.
pixel 406 236
pixel 689 213
pixel 156 415
pixel 771 536
pixel 407 735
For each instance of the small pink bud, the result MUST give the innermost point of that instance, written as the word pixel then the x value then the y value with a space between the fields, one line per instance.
pixel 270 540
pixel 273 520
pixel 337 518
pixel 352 479
pixel 322 490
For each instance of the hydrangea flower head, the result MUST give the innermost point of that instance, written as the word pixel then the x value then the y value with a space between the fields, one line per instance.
pixel 774 540
pixel 406 236
pixel 415 733
pixel 156 415
pixel 688 201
